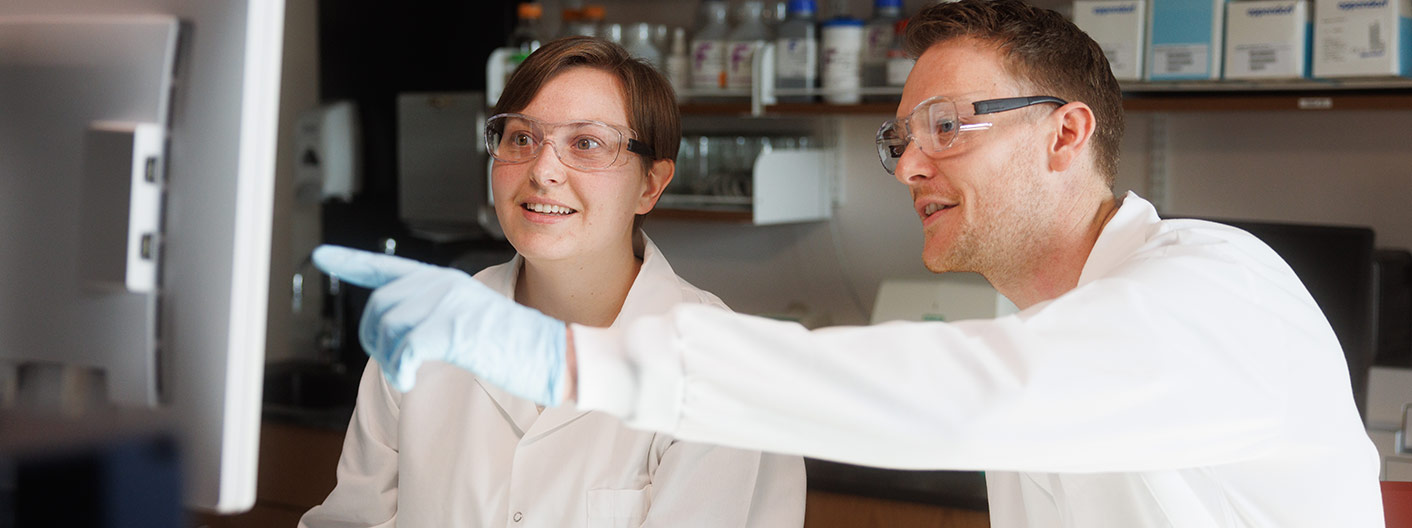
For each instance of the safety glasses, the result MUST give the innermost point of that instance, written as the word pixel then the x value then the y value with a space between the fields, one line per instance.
pixel 583 145
pixel 934 124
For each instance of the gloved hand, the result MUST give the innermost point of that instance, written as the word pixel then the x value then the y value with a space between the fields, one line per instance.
pixel 419 312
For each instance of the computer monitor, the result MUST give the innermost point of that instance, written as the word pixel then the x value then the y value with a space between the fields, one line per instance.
pixel 1335 263
pixel 137 146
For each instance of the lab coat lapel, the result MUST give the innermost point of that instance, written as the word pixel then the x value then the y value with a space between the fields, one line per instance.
pixel 520 413
pixel 655 290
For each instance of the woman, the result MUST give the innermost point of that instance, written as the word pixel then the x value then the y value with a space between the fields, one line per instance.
pixel 583 139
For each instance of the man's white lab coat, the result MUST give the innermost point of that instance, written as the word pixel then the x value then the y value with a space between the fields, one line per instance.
pixel 1188 380
pixel 457 452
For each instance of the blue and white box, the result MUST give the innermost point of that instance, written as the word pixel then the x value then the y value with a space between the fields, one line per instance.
pixel 1268 39
pixel 1119 27
pixel 1362 38
pixel 1184 40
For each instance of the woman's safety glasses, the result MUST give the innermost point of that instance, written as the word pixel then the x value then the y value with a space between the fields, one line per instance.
pixel 586 145
pixel 934 124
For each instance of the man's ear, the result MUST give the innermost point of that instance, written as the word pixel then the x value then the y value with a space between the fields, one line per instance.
pixel 1074 126
pixel 656 181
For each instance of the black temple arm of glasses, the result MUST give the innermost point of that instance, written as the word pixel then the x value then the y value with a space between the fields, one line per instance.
pixel 641 148
pixel 992 106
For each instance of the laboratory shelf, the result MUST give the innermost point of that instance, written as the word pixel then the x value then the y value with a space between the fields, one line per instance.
pixel 1181 96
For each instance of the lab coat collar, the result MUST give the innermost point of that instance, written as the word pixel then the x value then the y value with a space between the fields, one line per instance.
pixel 655 290
pixel 1129 229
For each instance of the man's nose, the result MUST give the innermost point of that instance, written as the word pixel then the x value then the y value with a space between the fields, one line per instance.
pixel 914 165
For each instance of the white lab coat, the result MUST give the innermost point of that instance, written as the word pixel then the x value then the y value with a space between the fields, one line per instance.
pixel 458 452
pixel 1188 380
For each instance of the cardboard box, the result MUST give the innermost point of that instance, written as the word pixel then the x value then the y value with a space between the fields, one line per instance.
pixel 1119 27
pixel 1184 39
pixel 1362 38
pixel 1267 39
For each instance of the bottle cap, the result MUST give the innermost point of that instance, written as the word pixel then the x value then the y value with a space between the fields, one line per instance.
pixel 531 10
pixel 802 6
pixel 842 22
pixel 887 3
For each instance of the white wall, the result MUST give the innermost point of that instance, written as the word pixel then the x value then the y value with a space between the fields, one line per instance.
pixel 1320 167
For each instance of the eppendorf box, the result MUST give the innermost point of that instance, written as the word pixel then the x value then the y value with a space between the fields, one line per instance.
pixel 1184 39
pixel 1118 26
pixel 1267 39
pixel 1361 38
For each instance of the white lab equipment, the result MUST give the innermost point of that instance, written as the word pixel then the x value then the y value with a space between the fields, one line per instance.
pixel 1268 39
pixel 443 193
pixel 328 153
pixel 1119 27
pixel 946 297
pixel 193 347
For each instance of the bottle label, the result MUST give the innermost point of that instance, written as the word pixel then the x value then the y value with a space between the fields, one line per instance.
pixel 897 70
pixel 708 64
pixel 876 41
pixel 796 58
pixel 739 64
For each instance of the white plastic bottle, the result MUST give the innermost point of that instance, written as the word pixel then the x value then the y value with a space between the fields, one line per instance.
pixel 678 65
pixel 842 60
pixel 797 51
pixel 877 39
pixel 747 37
pixel 708 47
pixel 638 42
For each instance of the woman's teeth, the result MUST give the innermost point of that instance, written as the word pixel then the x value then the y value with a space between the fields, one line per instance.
pixel 549 209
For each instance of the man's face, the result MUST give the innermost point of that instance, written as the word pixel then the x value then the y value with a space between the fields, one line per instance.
pixel 981 200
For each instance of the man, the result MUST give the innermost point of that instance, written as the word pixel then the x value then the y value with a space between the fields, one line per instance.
pixel 1160 373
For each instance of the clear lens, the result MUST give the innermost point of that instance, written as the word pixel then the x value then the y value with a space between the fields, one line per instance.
pixel 585 145
pixel 932 125
pixel 891 141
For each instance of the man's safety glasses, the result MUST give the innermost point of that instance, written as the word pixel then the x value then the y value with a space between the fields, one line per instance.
pixel 587 145
pixel 934 124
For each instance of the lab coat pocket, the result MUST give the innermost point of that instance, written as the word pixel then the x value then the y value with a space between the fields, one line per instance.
pixel 610 508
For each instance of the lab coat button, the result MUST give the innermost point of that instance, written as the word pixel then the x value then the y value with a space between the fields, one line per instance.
pixel 519 516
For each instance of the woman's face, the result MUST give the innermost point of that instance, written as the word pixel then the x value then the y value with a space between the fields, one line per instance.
pixel 594 210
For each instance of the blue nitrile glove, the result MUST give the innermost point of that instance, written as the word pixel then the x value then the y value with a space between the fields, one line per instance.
pixel 419 312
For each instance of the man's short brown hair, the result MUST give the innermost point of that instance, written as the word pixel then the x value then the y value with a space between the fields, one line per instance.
pixel 1042 49
pixel 648 96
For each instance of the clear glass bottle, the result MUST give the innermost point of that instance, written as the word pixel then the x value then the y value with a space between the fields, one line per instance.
pixel 570 16
pixel 878 35
pixel 590 20
pixel 797 51
pixel 899 65
pixel 526 36
pixel 708 47
pixel 638 42
pixel 747 37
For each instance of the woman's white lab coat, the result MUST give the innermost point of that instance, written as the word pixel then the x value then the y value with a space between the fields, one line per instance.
pixel 1188 380
pixel 457 452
